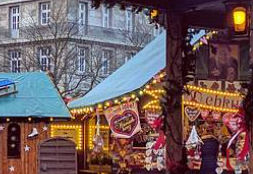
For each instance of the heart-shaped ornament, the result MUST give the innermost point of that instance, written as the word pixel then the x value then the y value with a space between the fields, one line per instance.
pixel 192 113
pixel 125 123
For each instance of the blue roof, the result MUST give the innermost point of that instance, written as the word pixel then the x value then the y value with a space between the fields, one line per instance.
pixel 129 77
pixel 5 82
pixel 36 97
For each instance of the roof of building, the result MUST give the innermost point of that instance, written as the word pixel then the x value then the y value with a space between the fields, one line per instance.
pixel 36 96
pixel 129 77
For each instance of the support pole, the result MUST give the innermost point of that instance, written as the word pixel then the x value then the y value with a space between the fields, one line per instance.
pixel 173 117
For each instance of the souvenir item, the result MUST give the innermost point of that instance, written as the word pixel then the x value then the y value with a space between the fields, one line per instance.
pixel 192 113
pixel 204 114
pixel 193 139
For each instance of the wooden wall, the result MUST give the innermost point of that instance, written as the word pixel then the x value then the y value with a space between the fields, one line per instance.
pixel 27 163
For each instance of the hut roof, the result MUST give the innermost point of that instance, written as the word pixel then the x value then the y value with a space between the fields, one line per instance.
pixel 36 96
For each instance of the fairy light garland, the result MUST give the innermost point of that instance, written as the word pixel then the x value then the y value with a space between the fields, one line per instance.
pixel 77 128
pixel 199 105
pixel 210 91
pixel 133 96
pixel 207 37
pixel 214 92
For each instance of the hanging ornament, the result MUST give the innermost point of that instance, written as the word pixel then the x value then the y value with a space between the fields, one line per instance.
pixel 160 163
pixel 220 162
pixel 11 168
pixel 192 113
pixel 216 115
pixel 98 139
pixel 160 142
pixel 34 133
pixel 238 169
pixel 27 148
pixel 45 128
pixel 204 114
pixel 193 139
pixel 1 128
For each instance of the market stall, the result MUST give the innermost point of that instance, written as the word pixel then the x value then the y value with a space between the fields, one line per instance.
pixel 215 133
pixel 29 106
pixel 122 116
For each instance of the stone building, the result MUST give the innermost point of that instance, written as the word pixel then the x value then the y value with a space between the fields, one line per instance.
pixel 79 45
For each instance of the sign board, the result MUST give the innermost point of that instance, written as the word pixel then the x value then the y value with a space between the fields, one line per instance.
pixel 123 120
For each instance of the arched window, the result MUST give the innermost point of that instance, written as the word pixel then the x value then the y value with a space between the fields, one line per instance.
pixel 13 141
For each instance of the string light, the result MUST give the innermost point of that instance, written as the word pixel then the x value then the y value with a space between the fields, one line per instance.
pixel 132 96
pixel 208 36
pixel 77 128
pixel 210 91
pixel 204 106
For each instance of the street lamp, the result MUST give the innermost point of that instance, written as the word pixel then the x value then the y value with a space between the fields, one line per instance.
pixel 238 17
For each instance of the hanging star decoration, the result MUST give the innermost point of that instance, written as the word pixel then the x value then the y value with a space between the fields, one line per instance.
pixel 1 128
pixel 27 148
pixel 45 128
pixel 11 168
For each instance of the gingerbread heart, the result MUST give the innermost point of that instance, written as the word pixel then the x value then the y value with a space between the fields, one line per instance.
pixel 125 123
pixel 192 112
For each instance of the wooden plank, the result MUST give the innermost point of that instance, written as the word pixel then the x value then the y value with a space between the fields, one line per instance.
pixel 46 158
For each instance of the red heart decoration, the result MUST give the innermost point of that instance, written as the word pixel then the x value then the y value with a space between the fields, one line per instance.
pixel 124 124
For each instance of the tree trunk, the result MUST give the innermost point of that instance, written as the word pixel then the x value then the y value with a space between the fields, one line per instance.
pixel 173 118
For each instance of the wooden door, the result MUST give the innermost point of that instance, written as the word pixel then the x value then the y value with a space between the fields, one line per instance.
pixel 57 156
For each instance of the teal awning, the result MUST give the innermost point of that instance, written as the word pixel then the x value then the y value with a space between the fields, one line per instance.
pixel 129 77
pixel 36 97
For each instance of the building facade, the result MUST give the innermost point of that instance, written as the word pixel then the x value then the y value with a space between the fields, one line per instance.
pixel 78 44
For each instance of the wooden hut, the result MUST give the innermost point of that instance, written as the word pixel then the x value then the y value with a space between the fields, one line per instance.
pixel 29 104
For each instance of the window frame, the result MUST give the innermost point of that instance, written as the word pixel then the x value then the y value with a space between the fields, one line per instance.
pixel 14 20
pixel 108 15
pixel 46 11
pixel 83 21
pixel 129 19
pixel 15 58
pixel 82 68
pixel 106 70
pixel 44 59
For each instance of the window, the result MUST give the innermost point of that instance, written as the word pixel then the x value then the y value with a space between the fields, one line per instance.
pixel 14 21
pixel 83 11
pixel 106 16
pixel 106 57
pixel 13 141
pixel 15 61
pixel 44 13
pixel 44 58
pixel 82 53
pixel 129 20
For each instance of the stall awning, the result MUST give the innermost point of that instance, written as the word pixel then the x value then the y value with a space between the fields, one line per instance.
pixel 36 96
pixel 129 77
